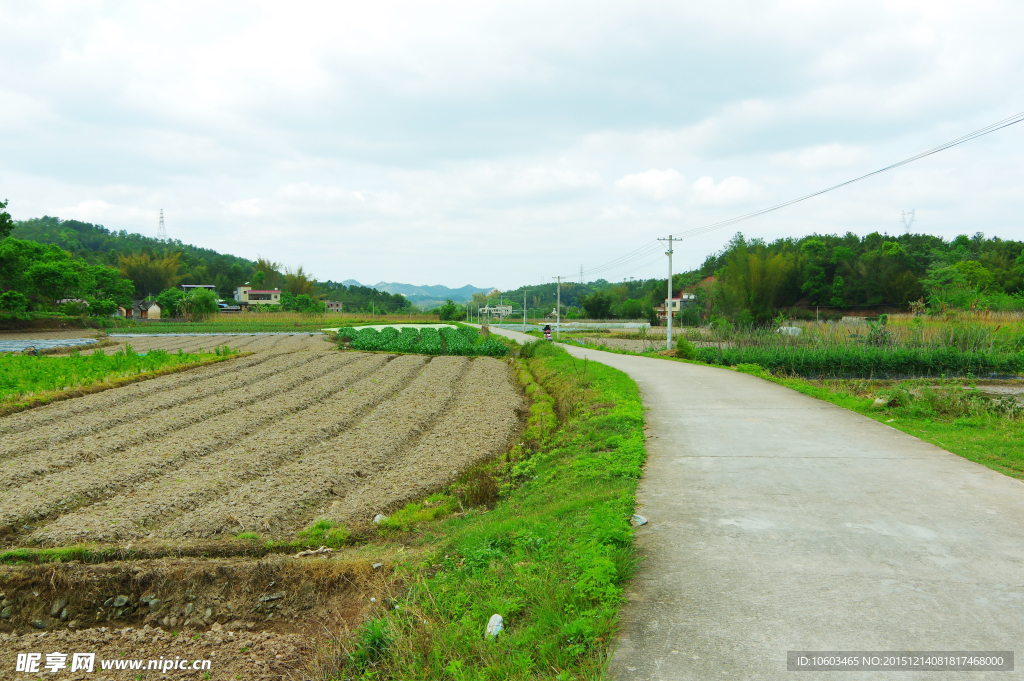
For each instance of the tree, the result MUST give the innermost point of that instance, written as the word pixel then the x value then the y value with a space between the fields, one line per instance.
pixel 169 301
pixel 13 301
pixel 151 275
pixel 199 304
pixel 271 272
pixel 598 305
pixel 631 309
pixel 259 279
pixel 751 281
pixel 108 283
pixel 450 311
pixel 6 224
pixel 298 283
pixel 55 280
pixel 976 274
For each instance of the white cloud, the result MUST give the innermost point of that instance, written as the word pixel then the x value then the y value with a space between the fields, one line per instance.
pixel 823 157
pixel 246 208
pixel 444 127
pixel 728 192
pixel 658 185
pixel 304 191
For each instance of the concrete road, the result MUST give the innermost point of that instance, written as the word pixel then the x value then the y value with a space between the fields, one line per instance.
pixel 779 522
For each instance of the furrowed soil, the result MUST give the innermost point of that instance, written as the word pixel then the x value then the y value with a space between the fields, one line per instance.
pixel 153 482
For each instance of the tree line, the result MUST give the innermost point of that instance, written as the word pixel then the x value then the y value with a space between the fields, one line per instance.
pixel 753 281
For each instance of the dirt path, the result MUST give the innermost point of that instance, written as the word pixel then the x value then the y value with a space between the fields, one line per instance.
pixel 781 523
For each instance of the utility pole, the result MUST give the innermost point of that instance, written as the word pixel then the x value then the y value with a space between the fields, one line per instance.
pixel 668 303
pixel 524 309
pixel 581 274
pixel 558 311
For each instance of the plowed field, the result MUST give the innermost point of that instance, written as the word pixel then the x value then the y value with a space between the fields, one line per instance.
pixel 265 443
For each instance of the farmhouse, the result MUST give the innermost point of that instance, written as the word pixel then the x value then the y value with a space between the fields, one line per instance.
pixel 333 305
pixel 145 309
pixel 247 295
pixel 678 303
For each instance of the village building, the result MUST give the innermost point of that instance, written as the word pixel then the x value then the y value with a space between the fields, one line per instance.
pixel 333 305
pixel 145 309
pixel 188 288
pixel 678 303
pixel 247 295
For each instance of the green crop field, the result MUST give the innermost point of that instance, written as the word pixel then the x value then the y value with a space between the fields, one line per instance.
pixel 23 376
pixel 463 340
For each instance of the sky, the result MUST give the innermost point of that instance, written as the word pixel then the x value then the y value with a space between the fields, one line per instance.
pixel 507 143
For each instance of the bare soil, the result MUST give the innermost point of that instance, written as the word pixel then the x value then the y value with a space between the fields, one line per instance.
pixel 266 443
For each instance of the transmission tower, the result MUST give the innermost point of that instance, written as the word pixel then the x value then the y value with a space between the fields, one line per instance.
pixel 161 231
pixel 907 223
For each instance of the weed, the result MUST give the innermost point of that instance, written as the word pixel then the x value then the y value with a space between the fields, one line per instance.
pixel 325 533
pixel 479 488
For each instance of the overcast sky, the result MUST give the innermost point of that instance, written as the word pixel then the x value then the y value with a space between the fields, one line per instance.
pixel 499 144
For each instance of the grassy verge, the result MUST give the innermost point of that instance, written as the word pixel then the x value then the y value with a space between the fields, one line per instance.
pixel 33 381
pixel 542 538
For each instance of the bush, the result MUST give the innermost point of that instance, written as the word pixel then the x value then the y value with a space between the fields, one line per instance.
pixel 685 349
pixel 72 309
pixel 13 301
pixel 102 308
pixel 690 316
pixel 199 304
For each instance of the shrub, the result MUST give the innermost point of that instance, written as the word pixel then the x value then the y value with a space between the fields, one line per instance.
pixel 72 308
pixel 13 301
pixel 685 349
pixel 102 308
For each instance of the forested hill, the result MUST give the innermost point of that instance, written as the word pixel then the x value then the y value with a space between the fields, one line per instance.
pixel 97 245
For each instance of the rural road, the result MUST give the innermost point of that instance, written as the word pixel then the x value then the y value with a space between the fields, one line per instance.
pixel 782 523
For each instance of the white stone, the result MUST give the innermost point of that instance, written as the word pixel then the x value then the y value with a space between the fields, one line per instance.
pixel 495 625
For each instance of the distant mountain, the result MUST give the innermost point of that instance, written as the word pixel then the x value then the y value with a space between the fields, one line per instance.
pixel 421 295
pixel 353 282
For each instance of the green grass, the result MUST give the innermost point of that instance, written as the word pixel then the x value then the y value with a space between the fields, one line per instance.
pixel 549 552
pixel 23 375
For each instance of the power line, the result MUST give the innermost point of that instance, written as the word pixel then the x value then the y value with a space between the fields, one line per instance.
pixel 1006 122
pixel 650 247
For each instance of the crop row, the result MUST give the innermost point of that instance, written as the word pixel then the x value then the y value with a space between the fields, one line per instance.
pixel 865 362
pixel 461 341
